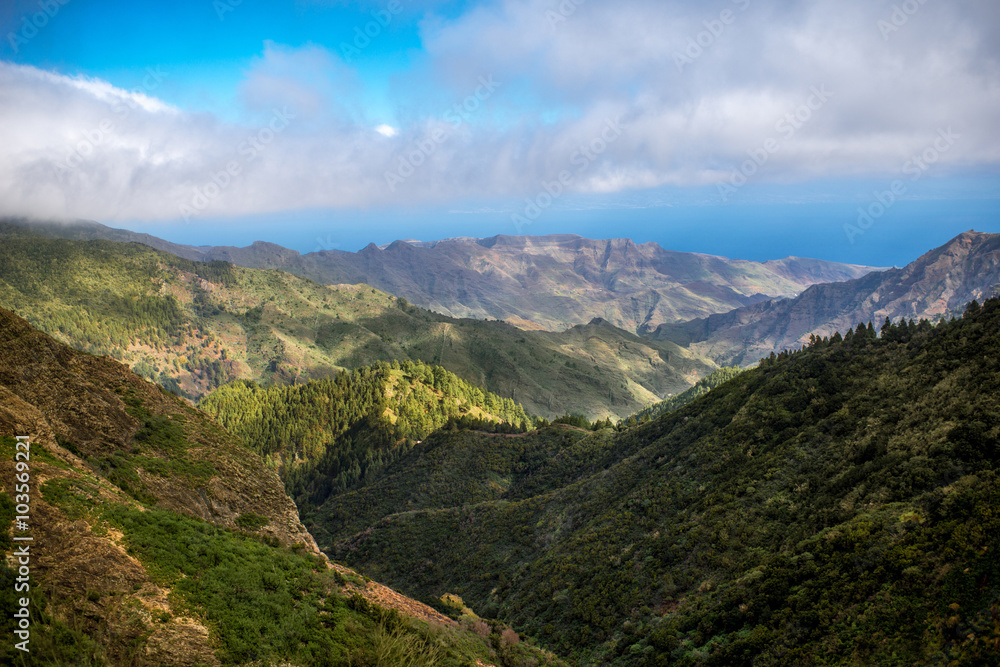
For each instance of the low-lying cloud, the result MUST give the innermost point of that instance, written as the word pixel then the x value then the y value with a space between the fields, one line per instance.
pixel 696 88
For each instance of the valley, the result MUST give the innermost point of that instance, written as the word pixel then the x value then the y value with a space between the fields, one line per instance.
pixel 832 505
pixel 500 333
pixel 586 497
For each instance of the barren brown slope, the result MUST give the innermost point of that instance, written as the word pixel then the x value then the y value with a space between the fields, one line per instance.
pixel 109 416
pixel 76 409
pixel 940 283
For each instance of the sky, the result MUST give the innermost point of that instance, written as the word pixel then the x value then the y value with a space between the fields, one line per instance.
pixel 863 131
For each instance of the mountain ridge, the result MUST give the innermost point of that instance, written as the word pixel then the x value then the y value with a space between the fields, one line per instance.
pixel 193 326
pixel 554 281
pixel 550 282
pixel 937 284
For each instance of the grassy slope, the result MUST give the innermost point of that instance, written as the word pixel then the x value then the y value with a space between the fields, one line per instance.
pixel 835 506
pixel 196 326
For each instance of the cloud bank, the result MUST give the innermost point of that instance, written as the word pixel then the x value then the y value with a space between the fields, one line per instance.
pixel 525 91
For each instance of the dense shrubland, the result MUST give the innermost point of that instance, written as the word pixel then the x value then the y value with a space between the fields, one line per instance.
pixel 700 388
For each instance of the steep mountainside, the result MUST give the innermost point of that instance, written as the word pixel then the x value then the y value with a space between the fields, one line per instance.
pixel 159 539
pixel 833 506
pixel 194 326
pixel 938 284
pixel 548 282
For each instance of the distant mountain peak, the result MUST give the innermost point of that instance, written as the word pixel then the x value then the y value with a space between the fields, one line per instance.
pixel 267 245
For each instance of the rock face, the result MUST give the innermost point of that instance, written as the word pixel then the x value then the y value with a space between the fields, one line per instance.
pixel 548 282
pixel 940 283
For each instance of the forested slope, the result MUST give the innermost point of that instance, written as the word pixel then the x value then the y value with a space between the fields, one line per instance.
pixel 329 436
pixel 833 506
pixel 193 327
pixel 701 387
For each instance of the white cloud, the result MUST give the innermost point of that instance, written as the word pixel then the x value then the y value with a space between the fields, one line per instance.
pixel 309 78
pixel 939 69
pixel 80 147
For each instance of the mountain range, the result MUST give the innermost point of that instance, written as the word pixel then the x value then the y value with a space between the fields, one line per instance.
pixel 547 282
pixel 193 326
pixel 566 279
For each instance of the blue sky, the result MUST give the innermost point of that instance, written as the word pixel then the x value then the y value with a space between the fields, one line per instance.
pixel 860 131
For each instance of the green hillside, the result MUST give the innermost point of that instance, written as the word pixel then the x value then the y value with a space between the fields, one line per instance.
pixel 193 327
pixel 329 436
pixel 833 506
